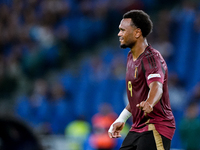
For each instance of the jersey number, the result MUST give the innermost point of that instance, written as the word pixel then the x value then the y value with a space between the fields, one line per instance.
pixel 130 87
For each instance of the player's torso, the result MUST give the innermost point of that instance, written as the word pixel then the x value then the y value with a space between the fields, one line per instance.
pixel 137 74
pixel 137 88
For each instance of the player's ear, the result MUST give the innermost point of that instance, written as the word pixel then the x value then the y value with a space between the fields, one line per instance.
pixel 138 33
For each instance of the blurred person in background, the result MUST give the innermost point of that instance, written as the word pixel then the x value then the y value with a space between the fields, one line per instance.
pixel 178 100
pixel 101 121
pixel 60 109
pixel 189 127
pixel 195 94
pixel 177 93
pixel 34 109
pixel 147 89
pixel 104 117
pixel 77 132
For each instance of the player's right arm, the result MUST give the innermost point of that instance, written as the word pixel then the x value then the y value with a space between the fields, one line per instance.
pixel 118 125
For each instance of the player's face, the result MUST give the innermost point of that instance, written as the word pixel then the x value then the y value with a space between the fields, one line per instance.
pixel 126 33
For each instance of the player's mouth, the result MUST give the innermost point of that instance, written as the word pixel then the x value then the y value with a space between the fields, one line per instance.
pixel 121 39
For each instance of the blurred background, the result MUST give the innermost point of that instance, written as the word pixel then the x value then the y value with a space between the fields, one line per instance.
pixel 62 73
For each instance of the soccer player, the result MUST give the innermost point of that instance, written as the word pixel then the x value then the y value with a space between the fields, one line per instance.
pixel 146 82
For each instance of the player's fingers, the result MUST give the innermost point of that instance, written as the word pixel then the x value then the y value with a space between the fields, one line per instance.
pixel 110 134
pixel 116 134
pixel 140 105
pixel 112 131
pixel 147 108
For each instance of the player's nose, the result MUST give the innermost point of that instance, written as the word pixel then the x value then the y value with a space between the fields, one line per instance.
pixel 119 34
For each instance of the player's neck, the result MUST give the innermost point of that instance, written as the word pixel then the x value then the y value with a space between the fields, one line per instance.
pixel 138 48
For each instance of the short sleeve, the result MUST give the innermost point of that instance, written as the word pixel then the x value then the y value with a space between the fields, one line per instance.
pixel 153 68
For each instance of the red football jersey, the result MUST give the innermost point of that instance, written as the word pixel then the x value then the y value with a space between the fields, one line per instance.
pixel 150 66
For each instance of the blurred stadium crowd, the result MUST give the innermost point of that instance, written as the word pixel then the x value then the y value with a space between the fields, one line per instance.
pixel 60 60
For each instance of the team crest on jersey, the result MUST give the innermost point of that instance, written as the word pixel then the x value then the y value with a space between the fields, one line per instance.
pixel 136 72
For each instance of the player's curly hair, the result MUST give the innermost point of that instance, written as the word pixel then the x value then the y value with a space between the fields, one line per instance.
pixel 141 20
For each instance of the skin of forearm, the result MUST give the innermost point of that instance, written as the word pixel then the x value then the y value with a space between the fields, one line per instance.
pixel 155 93
pixel 128 107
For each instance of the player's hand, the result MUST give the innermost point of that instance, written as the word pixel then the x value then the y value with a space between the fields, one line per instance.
pixel 117 128
pixel 145 106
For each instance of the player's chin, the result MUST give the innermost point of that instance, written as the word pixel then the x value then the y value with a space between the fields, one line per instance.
pixel 123 45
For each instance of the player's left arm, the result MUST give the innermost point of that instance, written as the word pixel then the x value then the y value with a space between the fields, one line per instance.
pixel 155 94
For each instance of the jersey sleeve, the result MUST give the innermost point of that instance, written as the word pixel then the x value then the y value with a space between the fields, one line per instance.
pixel 153 69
